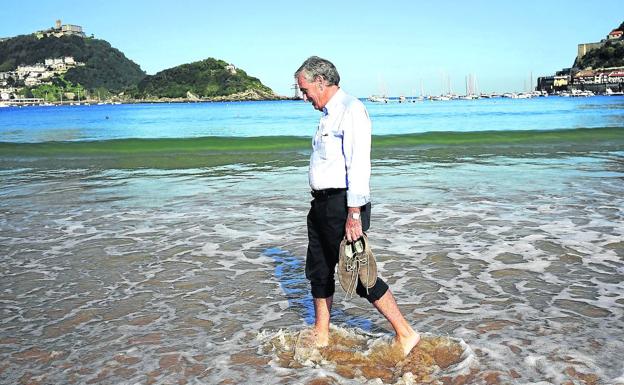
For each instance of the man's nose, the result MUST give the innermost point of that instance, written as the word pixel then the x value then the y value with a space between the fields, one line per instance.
pixel 305 97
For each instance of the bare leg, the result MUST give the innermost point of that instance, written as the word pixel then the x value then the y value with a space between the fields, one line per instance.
pixel 322 308
pixel 406 337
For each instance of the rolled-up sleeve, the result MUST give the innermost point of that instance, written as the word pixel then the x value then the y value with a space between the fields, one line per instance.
pixel 356 126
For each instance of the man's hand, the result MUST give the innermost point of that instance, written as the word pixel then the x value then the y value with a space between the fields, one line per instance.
pixel 353 227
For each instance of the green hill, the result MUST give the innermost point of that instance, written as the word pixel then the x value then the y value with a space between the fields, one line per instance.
pixel 107 71
pixel 610 54
pixel 105 67
pixel 205 79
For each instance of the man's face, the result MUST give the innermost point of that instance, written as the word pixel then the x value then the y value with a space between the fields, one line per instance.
pixel 311 91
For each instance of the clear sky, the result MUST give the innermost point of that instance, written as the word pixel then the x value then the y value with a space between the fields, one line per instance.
pixel 377 46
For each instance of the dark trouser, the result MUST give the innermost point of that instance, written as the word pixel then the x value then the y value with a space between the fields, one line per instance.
pixel 326 229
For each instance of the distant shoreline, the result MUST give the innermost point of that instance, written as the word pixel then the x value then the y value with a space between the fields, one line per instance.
pixel 392 100
pixel 42 103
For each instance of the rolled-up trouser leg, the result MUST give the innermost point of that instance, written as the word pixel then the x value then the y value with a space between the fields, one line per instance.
pixel 375 292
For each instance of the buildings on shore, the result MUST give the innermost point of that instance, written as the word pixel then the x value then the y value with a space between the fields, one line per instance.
pixel 34 75
pixel 597 80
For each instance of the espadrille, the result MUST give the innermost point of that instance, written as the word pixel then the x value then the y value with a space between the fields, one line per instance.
pixel 356 262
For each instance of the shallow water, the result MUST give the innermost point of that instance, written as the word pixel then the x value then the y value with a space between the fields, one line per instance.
pixel 116 276
pixel 296 118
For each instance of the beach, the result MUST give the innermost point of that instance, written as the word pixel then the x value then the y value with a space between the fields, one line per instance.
pixel 165 244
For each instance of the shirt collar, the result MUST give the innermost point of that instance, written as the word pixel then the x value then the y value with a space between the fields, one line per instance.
pixel 334 102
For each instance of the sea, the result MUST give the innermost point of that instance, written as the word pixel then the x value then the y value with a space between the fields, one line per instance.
pixel 166 243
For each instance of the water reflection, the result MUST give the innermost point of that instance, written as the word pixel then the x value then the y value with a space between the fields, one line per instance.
pixel 290 272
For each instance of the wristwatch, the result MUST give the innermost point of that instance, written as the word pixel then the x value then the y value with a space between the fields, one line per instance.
pixel 355 216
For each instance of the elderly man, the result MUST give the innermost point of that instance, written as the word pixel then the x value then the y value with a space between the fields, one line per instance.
pixel 339 178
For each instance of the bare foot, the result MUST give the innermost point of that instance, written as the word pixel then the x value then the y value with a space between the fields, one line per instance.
pixel 307 346
pixel 321 338
pixel 408 342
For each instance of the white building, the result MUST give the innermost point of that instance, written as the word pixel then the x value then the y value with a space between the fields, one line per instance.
pixel 31 81
pixel 61 30
pixel 7 75
pixel 30 71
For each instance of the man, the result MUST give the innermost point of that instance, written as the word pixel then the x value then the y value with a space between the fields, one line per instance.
pixel 339 177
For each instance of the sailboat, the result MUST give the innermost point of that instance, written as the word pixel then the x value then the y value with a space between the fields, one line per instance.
pixel 379 98
pixel 422 94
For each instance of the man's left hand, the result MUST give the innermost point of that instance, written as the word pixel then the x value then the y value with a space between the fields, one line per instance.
pixel 353 227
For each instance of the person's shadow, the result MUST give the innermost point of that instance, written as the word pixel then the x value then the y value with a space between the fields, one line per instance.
pixel 290 272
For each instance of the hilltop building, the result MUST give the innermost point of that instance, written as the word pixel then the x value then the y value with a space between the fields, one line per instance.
pixel 61 30
pixel 614 35
pixel 231 68
pixel 583 48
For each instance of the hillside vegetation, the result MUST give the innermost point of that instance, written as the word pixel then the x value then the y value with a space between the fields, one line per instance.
pixel 611 54
pixel 108 73
pixel 105 66
pixel 208 78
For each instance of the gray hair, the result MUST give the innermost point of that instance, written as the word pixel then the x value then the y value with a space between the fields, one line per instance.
pixel 315 67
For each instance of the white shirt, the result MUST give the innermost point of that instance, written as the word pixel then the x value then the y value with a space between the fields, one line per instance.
pixel 341 149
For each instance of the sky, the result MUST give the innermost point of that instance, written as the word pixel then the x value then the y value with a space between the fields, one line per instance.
pixel 396 48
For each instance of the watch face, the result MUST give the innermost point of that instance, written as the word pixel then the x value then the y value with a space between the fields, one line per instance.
pixel 355 215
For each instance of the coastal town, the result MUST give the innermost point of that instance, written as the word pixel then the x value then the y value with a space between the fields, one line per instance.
pixel 569 82
pixel 587 81
pixel 34 75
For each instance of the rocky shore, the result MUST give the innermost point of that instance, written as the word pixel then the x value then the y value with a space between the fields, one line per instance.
pixel 248 95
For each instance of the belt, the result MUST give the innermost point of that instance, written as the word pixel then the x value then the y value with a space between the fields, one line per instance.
pixel 320 194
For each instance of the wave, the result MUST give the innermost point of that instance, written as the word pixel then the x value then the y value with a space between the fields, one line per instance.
pixel 208 151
